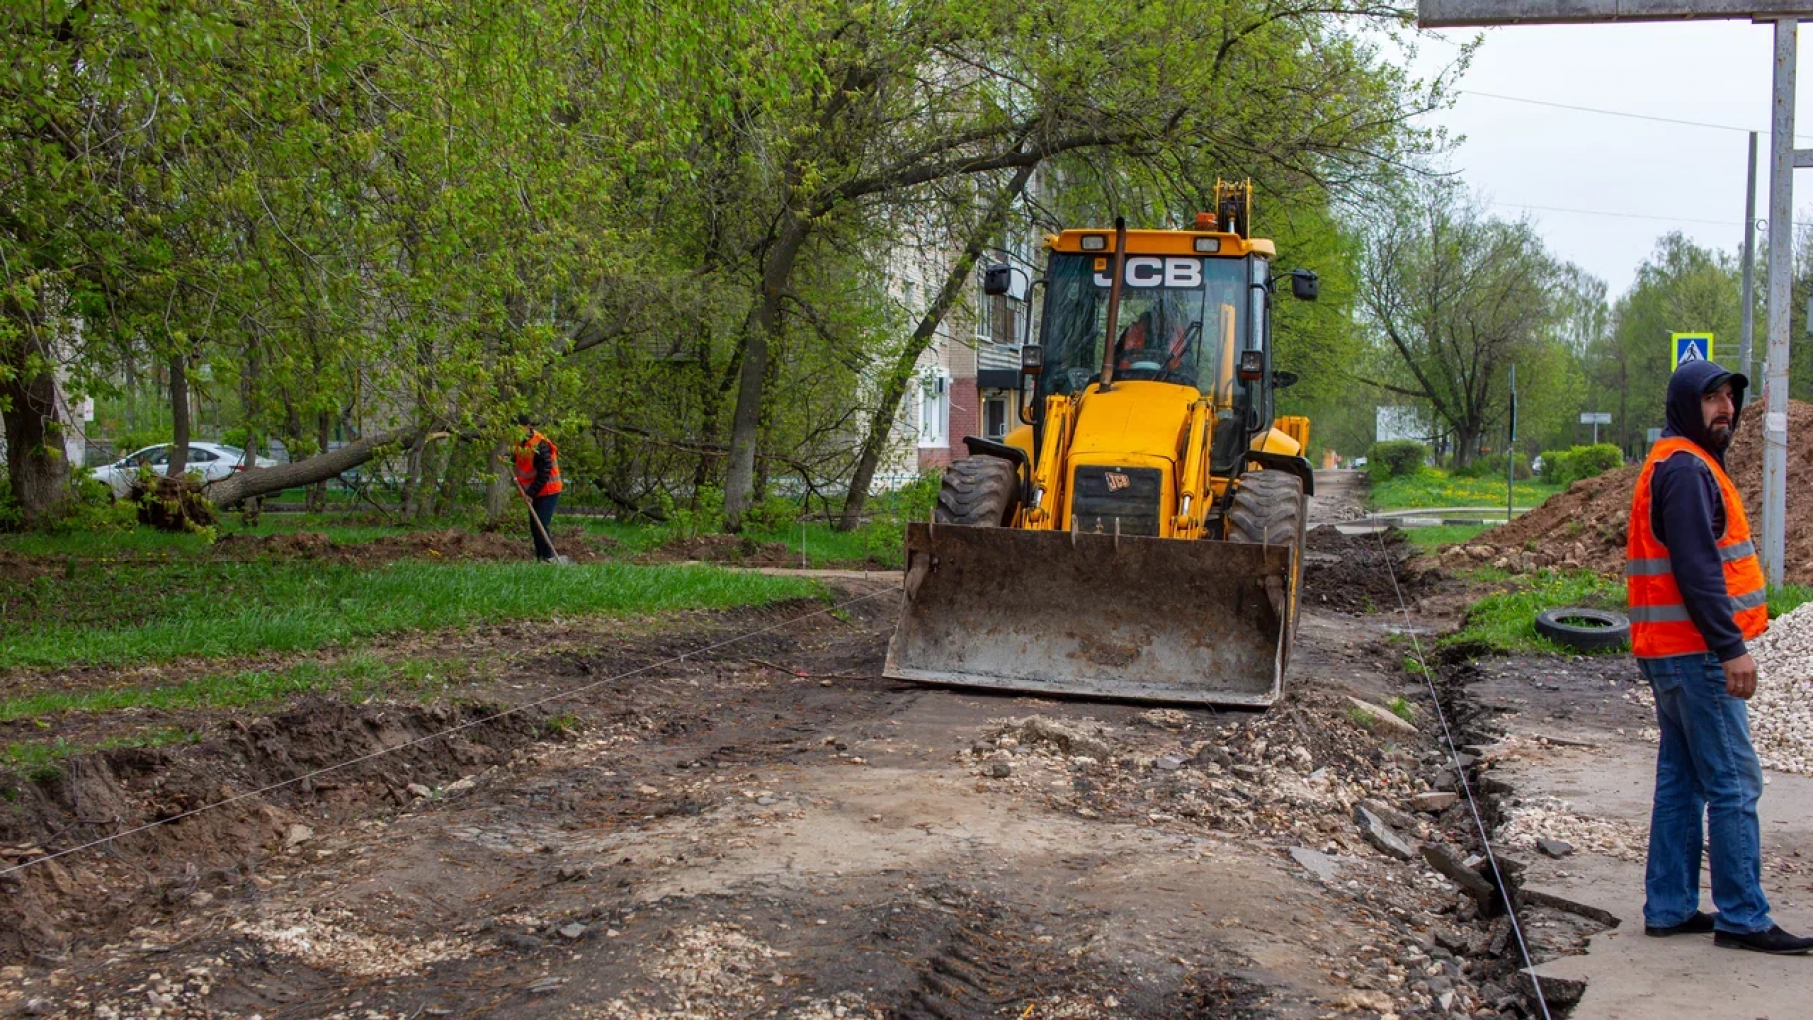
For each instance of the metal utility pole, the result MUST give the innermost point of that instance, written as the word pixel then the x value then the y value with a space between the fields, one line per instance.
pixel 1511 455
pixel 1748 332
pixel 1782 161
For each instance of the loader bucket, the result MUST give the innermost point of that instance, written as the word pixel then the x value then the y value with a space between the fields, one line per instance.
pixel 1152 619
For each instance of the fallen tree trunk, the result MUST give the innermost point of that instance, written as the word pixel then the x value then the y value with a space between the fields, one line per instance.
pixel 244 485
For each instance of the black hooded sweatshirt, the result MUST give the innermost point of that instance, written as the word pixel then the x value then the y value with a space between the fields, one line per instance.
pixel 1688 514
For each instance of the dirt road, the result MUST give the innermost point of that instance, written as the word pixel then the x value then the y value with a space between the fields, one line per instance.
pixel 764 829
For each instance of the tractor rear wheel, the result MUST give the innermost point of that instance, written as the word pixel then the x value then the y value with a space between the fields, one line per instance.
pixel 1269 509
pixel 981 492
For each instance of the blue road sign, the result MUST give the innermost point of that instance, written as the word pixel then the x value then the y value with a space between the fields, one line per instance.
pixel 1689 347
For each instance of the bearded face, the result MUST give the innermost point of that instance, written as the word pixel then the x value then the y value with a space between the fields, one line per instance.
pixel 1720 416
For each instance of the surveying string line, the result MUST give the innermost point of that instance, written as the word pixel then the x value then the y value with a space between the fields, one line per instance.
pixel 683 656
pixel 1460 777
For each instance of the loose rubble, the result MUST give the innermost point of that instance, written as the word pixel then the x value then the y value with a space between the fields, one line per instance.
pixel 1529 822
pixel 1781 711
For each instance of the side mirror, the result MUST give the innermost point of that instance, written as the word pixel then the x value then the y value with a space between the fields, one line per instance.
pixel 997 279
pixel 1282 380
pixel 1032 359
pixel 1304 285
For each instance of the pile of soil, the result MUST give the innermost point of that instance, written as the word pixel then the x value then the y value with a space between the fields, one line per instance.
pixel 1586 525
pixel 1354 572
pixel 450 544
pixel 725 549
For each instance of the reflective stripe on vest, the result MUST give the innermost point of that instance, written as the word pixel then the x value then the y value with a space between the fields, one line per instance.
pixel 525 465
pixel 1659 624
pixel 1663 565
pixel 1678 613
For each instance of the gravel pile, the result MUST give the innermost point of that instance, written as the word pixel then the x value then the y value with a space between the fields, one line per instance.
pixel 1781 712
pixel 1541 818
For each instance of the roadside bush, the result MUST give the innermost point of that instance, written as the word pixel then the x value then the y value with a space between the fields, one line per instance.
pixel 90 508
pixel 1492 465
pixel 772 515
pixel 1395 459
pixel 1565 467
pixel 703 517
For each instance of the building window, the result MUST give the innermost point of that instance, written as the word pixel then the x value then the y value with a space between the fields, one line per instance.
pixel 994 417
pixel 1000 318
pixel 935 408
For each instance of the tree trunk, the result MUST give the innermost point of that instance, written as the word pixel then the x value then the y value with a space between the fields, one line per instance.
pixel 499 470
pixel 179 414
pixel 900 374
pixel 307 471
pixel 317 493
pixel 412 476
pixel 35 466
pixel 453 479
pixel 1466 444
pixel 764 326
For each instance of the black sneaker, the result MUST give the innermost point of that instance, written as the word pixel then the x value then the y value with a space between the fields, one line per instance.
pixel 1774 941
pixel 1699 924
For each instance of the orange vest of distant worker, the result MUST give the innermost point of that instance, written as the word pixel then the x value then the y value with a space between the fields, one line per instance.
pixel 525 465
pixel 1659 624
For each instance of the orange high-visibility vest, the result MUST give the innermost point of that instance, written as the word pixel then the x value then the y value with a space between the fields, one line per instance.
pixel 525 465
pixel 1659 624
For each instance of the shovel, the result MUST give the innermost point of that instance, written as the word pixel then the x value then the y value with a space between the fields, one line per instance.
pixel 535 519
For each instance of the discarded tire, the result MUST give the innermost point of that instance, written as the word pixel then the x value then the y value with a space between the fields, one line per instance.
pixel 1584 630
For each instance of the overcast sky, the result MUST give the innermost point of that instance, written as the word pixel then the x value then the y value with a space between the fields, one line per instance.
pixel 1677 177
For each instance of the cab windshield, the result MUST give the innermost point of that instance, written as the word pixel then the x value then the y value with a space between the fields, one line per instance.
pixel 1183 319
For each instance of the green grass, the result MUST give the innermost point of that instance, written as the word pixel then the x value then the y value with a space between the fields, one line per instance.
pixel 359 675
pixel 1785 598
pixel 1434 487
pixel 42 761
pixel 1504 622
pixel 1440 536
pixel 137 614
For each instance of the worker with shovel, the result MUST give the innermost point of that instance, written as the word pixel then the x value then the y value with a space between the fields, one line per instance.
pixel 1697 594
pixel 538 479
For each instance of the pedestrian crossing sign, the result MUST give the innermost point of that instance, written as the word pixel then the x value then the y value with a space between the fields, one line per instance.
pixel 1690 347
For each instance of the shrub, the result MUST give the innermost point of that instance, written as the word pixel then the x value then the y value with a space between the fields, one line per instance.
pixel 1395 459
pixel 1565 467
pixel 772 516
pixel 1492 465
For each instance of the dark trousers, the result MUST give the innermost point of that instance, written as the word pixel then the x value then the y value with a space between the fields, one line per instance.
pixel 544 511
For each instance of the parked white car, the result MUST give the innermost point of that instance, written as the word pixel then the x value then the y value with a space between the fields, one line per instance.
pixel 211 461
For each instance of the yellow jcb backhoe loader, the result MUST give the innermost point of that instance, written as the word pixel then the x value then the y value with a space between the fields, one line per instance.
pixel 1140 534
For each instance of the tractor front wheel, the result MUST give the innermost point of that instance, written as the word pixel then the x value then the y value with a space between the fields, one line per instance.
pixel 1269 509
pixel 981 492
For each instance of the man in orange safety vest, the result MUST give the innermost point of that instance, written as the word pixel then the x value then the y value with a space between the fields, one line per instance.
pixel 1697 594
pixel 537 467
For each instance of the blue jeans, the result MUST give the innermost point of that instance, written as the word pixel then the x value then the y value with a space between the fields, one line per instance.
pixel 543 509
pixel 1704 766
